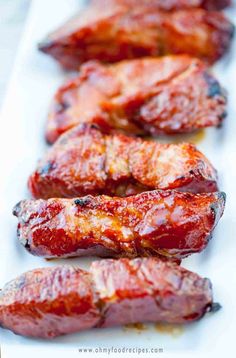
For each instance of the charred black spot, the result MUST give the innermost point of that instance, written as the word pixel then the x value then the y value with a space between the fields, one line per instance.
pixel 82 201
pixel 215 307
pixel 83 127
pixel 94 126
pixel 18 230
pixel 16 209
pixel 61 107
pixel 181 177
pixel 223 114
pixel 214 209
pixel 214 88
pixel 27 245
pixel 47 168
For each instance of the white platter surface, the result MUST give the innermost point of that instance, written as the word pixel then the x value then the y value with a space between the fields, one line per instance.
pixel 34 80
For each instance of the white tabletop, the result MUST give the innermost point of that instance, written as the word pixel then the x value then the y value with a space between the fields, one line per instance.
pixel 12 19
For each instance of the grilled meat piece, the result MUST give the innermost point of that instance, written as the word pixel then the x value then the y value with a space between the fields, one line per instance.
pixel 117 32
pixel 168 223
pixel 53 301
pixel 214 4
pixel 169 95
pixel 169 5
pixel 86 161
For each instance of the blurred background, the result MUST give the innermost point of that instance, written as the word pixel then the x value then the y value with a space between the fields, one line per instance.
pixel 13 14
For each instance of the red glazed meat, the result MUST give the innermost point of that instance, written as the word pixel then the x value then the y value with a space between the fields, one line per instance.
pixel 168 223
pixel 169 95
pixel 117 32
pixel 169 5
pixel 215 4
pixel 86 161
pixel 53 301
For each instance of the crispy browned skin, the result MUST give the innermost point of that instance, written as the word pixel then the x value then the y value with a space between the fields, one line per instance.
pixel 169 5
pixel 169 95
pixel 86 161
pixel 59 300
pixel 117 32
pixel 168 223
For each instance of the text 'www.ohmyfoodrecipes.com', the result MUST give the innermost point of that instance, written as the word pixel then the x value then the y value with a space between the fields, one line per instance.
pixel 120 350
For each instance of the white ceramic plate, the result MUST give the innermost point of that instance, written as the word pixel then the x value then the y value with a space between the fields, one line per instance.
pixel 34 80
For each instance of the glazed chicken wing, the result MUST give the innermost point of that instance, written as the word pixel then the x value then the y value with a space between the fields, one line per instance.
pixel 86 161
pixel 116 32
pixel 169 95
pixel 53 301
pixel 167 223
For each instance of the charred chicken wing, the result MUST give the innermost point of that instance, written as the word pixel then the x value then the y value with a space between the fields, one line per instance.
pixel 116 32
pixel 169 95
pixel 53 301
pixel 86 161
pixel 168 223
